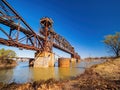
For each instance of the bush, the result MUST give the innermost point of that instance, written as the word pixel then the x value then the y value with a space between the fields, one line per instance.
pixel 6 55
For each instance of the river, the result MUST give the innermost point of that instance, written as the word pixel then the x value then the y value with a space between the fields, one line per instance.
pixel 23 73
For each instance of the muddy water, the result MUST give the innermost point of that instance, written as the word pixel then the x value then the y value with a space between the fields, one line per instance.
pixel 22 73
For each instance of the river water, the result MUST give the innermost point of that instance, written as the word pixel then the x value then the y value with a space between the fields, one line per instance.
pixel 23 73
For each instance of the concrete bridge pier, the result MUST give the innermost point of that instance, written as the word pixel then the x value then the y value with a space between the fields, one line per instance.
pixel 78 60
pixel 73 60
pixel 44 59
pixel 64 62
pixel 75 57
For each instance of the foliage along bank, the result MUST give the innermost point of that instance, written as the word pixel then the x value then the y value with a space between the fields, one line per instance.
pixel 6 58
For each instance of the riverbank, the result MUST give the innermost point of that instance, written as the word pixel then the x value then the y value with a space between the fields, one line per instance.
pixel 105 76
pixel 7 63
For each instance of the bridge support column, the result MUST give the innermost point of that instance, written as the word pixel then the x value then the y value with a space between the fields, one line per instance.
pixel 73 60
pixel 44 59
pixel 78 60
pixel 64 62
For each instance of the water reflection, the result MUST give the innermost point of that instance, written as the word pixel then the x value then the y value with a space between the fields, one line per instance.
pixel 23 73
pixel 6 75
pixel 42 73
pixel 63 73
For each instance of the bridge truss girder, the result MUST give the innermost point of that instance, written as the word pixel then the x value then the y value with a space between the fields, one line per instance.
pixel 19 34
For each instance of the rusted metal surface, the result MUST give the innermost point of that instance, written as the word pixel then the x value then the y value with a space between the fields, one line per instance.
pixel 17 44
pixel 46 24
pixel 21 35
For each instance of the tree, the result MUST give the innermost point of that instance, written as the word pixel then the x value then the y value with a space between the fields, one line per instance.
pixel 113 43
pixel 5 55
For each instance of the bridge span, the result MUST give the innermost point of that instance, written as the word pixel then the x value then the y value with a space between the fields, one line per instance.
pixel 19 34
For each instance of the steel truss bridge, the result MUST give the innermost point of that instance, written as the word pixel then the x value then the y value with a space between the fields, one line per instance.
pixel 14 31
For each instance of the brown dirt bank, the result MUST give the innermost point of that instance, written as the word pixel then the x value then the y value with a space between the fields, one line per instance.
pixel 99 77
pixel 7 64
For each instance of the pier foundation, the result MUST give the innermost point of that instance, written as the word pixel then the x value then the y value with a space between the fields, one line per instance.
pixel 64 62
pixel 73 60
pixel 78 60
pixel 44 59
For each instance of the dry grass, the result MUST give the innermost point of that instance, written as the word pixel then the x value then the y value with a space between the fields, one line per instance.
pixel 109 70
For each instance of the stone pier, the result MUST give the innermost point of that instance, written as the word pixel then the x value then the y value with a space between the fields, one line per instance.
pixel 73 60
pixel 64 62
pixel 78 60
pixel 44 59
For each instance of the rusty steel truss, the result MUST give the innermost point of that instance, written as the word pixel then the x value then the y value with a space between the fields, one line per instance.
pixel 14 31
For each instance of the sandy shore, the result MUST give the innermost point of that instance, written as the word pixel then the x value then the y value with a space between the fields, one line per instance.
pixel 105 76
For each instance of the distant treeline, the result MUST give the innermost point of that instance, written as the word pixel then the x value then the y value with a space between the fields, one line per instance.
pixel 102 58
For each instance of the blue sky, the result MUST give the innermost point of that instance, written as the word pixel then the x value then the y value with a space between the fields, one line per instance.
pixel 84 23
